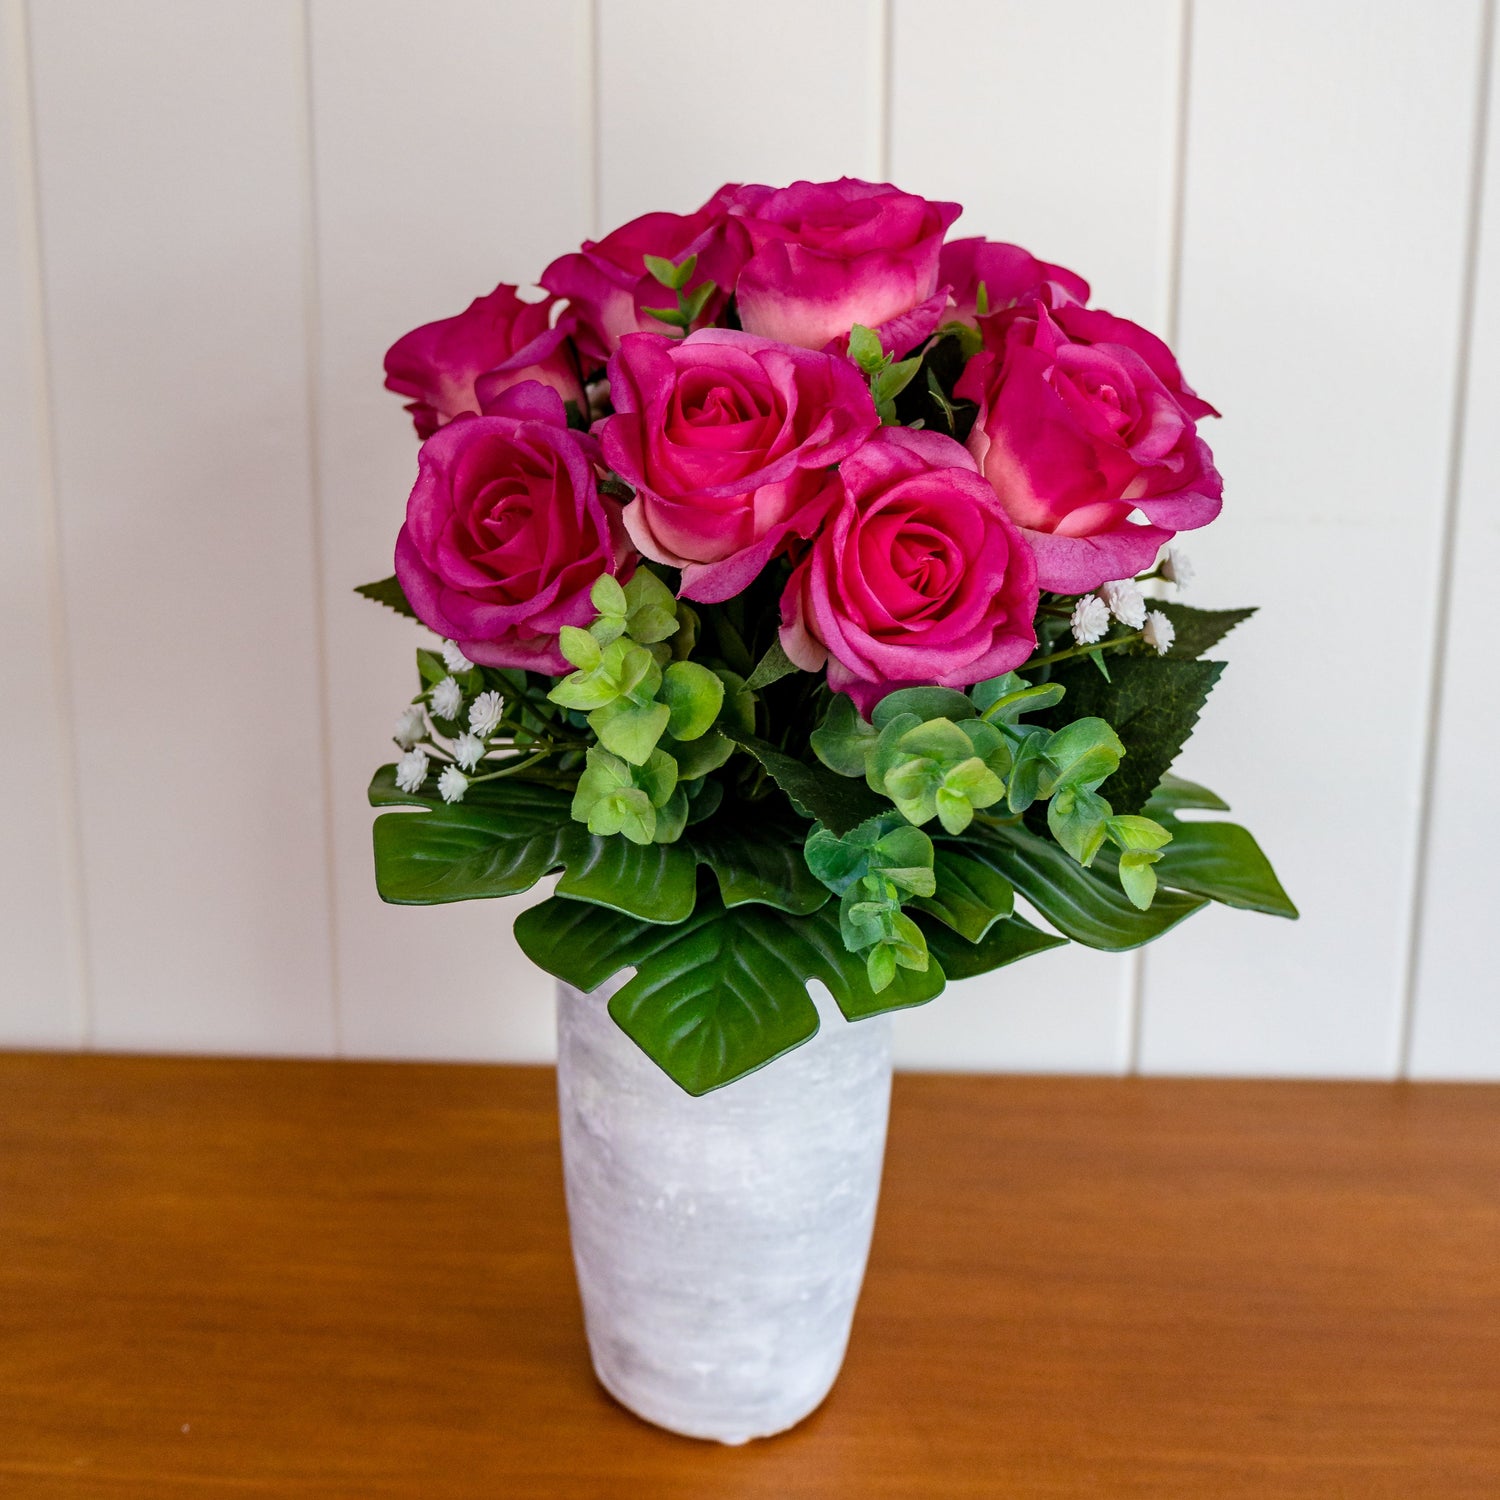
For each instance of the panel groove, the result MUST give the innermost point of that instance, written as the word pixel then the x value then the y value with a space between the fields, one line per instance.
pixel 32 250
pixel 1441 626
pixel 313 303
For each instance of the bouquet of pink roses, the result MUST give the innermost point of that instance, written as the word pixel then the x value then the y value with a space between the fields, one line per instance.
pixel 791 566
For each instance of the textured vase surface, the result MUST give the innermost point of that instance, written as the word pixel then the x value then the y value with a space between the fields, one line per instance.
pixel 720 1242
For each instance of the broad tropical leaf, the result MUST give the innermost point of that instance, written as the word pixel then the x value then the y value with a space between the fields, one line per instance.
pixel 1007 942
pixel 971 894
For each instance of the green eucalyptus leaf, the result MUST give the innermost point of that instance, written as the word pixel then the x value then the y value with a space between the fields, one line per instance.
pixel 630 730
pixel 648 606
pixel 607 596
pixel 580 648
pixel 1081 755
pixel 925 703
pixel 671 817
pixel 844 741
pixel 1077 818
pixel 697 758
pixel 694 695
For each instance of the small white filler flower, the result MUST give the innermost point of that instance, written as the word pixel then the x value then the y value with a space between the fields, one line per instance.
pixel 1178 568
pixel 1159 632
pixel 447 699
pixel 454 659
pixel 484 714
pixel 411 770
pixel 1126 602
pixel 1090 620
pixel 468 750
pixel 453 784
pixel 411 727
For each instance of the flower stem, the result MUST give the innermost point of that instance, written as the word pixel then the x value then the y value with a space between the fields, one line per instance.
pixel 520 765
pixel 1072 651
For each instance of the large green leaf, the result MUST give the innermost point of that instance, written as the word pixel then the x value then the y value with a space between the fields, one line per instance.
pixel 839 803
pixel 506 835
pixel 1175 793
pixel 388 591
pixel 1221 861
pixel 1152 702
pixel 1007 942
pixel 1199 630
pixel 971 894
pixel 720 994
pixel 1082 904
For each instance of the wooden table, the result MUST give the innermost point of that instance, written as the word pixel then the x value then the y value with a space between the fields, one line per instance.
pixel 244 1279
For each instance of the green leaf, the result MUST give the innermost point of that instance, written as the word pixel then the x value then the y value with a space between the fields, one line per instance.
pixel 1081 903
pixel 1222 861
pixel 832 800
pixel 971 894
pixel 389 593
pixel 1199 630
pixel 692 303
pixel 925 703
pixel 694 696
pixel 696 758
pixel 1005 943
pixel 648 606
pixel 580 648
pixel 1077 819
pixel 607 596
pixel 1081 755
pixel 756 857
pixel 1153 704
pixel 843 741
pixel 719 995
pixel 1174 793
pixel 672 316
pixel 662 270
pixel 630 730
pixel 865 349
pixel 772 667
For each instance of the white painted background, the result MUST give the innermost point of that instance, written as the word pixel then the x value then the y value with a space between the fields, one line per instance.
pixel 216 214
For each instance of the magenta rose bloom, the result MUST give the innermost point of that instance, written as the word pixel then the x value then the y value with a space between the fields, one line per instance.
pixel 609 288
pixel 917 575
pixel 1084 418
pixel 506 532
pixel 1008 274
pixel 828 255
pixel 458 364
pixel 727 439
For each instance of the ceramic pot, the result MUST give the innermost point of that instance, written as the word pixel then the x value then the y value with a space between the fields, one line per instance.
pixel 720 1241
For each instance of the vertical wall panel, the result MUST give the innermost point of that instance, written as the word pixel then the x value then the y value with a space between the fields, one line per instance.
pixel 1328 168
pixel 172 169
pixel 693 95
pixel 1456 1025
pixel 452 152
pixel 1014 109
pixel 41 991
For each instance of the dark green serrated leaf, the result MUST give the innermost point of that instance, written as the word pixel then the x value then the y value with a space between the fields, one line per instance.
pixel 1006 942
pixel 772 667
pixel 1199 630
pixel 719 995
pixel 971 894
pixel 1223 862
pixel 1082 904
pixel 388 591
pixel 1153 704
pixel 835 801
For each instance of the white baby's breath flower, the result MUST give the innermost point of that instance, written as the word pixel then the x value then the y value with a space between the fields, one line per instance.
pixel 411 770
pixel 453 784
pixel 484 714
pixel 447 699
pixel 1126 602
pixel 454 659
pixel 468 750
pixel 411 727
pixel 1160 632
pixel 1178 568
pixel 1090 620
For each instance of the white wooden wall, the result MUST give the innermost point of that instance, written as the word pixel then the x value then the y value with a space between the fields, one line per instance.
pixel 216 214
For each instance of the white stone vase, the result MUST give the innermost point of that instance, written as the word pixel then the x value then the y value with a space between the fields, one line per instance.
pixel 720 1242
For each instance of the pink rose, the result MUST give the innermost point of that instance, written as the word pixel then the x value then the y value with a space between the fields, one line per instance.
pixel 917 575
pixel 726 438
pixel 1008 274
pixel 458 364
pixel 506 532
pixel 609 288
pixel 828 255
pixel 1084 418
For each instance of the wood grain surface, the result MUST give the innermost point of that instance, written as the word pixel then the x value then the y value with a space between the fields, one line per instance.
pixel 247 1279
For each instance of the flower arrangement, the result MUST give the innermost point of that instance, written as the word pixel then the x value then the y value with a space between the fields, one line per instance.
pixel 791 564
